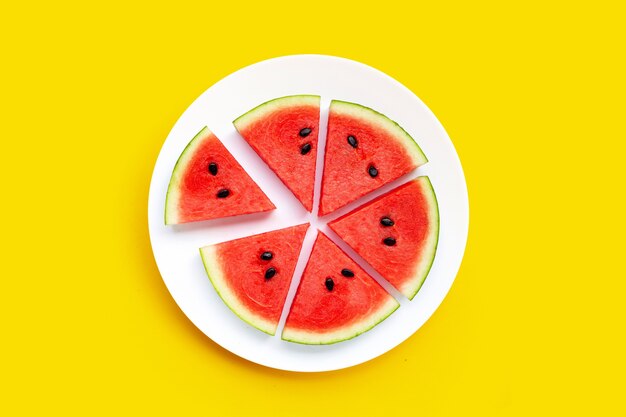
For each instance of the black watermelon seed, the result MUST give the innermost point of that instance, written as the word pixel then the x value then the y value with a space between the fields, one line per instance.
pixel 267 256
pixel 305 132
pixel 386 221
pixel 223 193
pixel 269 274
pixel 330 284
pixel 347 273
pixel 305 149
pixel 352 141
pixel 213 168
pixel 372 171
pixel 389 241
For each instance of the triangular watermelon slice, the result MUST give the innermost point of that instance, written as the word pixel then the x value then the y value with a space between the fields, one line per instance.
pixel 208 183
pixel 364 151
pixel 336 299
pixel 396 233
pixel 252 274
pixel 284 133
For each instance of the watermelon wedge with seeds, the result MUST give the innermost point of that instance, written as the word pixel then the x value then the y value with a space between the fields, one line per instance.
pixel 336 299
pixel 396 233
pixel 284 133
pixel 208 183
pixel 252 274
pixel 364 151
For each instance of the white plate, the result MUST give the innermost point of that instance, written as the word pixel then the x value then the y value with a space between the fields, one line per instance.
pixel 176 248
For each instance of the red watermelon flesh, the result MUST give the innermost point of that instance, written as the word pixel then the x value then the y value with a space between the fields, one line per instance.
pixel 195 193
pixel 324 313
pixel 238 269
pixel 284 132
pixel 412 220
pixel 364 151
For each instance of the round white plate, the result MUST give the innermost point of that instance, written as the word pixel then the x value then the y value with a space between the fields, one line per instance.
pixel 176 247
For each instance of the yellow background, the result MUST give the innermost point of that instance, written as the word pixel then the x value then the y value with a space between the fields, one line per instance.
pixel 532 95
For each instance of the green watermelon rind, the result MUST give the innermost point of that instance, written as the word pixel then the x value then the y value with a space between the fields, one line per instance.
pixel 384 122
pixel 270 106
pixel 423 268
pixel 214 272
pixel 173 195
pixel 340 335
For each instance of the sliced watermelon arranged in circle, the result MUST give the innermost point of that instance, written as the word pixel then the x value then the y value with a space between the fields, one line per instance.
pixel 336 299
pixel 208 183
pixel 252 274
pixel 284 133
pixel 396 233
pixel 364 151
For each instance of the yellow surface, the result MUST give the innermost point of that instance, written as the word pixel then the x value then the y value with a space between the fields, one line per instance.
pixel 533 98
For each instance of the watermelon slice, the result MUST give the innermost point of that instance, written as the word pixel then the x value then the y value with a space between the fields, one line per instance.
pixel 252 274
pixel 284 132
pixel 336 299
pixel 364 151
pixel 396 233
pixel 208 183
